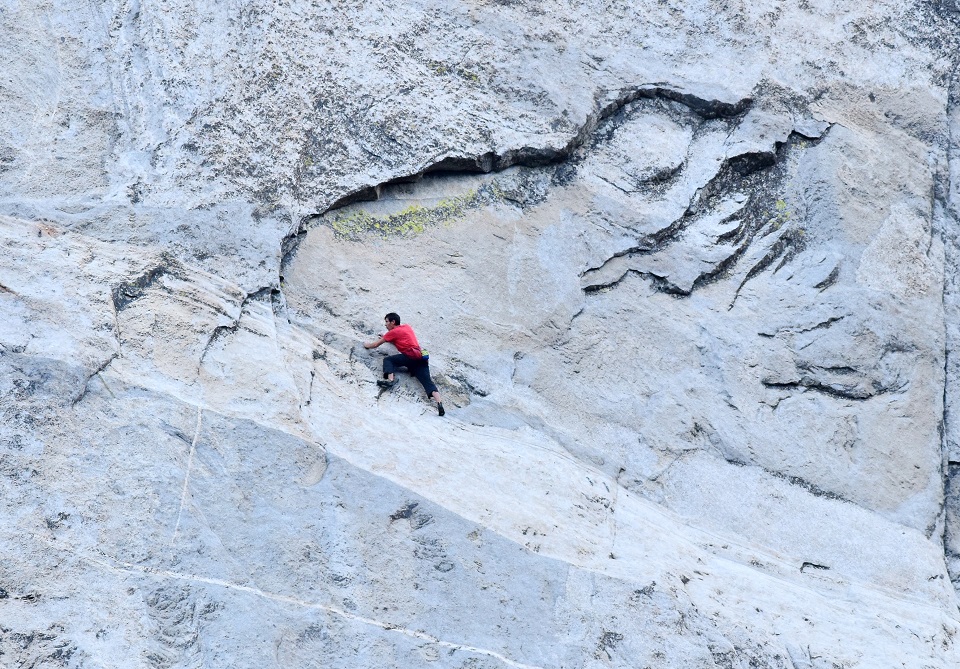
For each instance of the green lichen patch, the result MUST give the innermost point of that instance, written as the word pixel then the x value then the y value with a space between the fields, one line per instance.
pixel 414 219
pixel 780 216
pixel 443 69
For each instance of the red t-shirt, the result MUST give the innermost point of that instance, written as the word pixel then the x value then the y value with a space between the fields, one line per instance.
pixel 403 338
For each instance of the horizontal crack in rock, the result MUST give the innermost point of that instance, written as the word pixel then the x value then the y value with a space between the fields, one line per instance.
pixel 812 565
pixel 842 391
pixel 527 156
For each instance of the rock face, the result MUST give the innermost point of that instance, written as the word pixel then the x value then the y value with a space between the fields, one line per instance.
pixel 687 274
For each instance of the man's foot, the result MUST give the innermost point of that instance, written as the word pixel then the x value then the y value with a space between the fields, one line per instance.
pixel 440 408
pixel 383 383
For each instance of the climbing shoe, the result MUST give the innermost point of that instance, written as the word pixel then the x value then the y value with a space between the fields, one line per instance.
pixel 383 383
pixel 440 408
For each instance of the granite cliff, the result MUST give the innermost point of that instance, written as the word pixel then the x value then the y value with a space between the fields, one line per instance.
pixel 687 274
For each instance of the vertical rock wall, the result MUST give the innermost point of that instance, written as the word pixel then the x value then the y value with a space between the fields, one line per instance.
pixel 686 274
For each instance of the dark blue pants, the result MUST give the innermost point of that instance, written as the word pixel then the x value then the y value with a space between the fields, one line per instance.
pixel 417 367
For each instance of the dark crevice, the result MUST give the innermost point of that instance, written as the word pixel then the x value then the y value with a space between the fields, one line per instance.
pixel 840 369
pixel 652 243
pixel 830 280
pixel 812 565
pixel 822 325
pixel 747 163
pixel 659 283
pixel 527 156
pixel 950 229
pixel 788 245
pixel 791 252
pixel 313 376
pixel 811 488
pixel 840 391
pixel 722 268
pixel 222 331
pixel 752 172
pixel 129 291
pixel 738 233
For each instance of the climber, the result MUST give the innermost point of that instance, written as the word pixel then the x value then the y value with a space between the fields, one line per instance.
pixel 410 356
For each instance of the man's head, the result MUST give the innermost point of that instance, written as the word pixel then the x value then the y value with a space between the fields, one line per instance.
pixel 391 320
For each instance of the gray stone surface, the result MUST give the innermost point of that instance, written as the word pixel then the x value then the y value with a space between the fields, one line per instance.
pixel 688 280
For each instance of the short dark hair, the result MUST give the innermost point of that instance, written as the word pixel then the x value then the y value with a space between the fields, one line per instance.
pixel 393 318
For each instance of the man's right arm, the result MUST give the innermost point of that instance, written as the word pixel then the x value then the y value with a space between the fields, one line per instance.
pixel 375 343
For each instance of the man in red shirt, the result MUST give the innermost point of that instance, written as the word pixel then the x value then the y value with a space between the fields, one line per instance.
pixel 410 356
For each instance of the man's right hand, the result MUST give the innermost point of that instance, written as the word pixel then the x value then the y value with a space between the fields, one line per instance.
pixel 375 344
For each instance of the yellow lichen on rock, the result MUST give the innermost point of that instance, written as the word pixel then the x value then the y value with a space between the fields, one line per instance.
pixel 415 218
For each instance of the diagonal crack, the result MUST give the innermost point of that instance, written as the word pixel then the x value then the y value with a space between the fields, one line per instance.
pixel 221 331
pixel 127 568
pixel 186 478
pixel 786 246
pixel 129 291
pixel 738 173
pixel 96 372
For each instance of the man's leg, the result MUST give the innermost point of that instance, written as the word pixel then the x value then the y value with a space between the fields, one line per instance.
pixel 390 365
pixel 422 372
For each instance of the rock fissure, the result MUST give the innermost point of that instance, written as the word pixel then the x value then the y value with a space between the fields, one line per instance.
pixel 222 331
pixel 128 568
pixel 129 291
pixel 811 488
pixel 742 173
pixel 853 392
pixel 784 247
pixel 813 565
pixel 830 280
pixel 98 373
pixel 947 199
pixel 822 325
pixel 527 156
